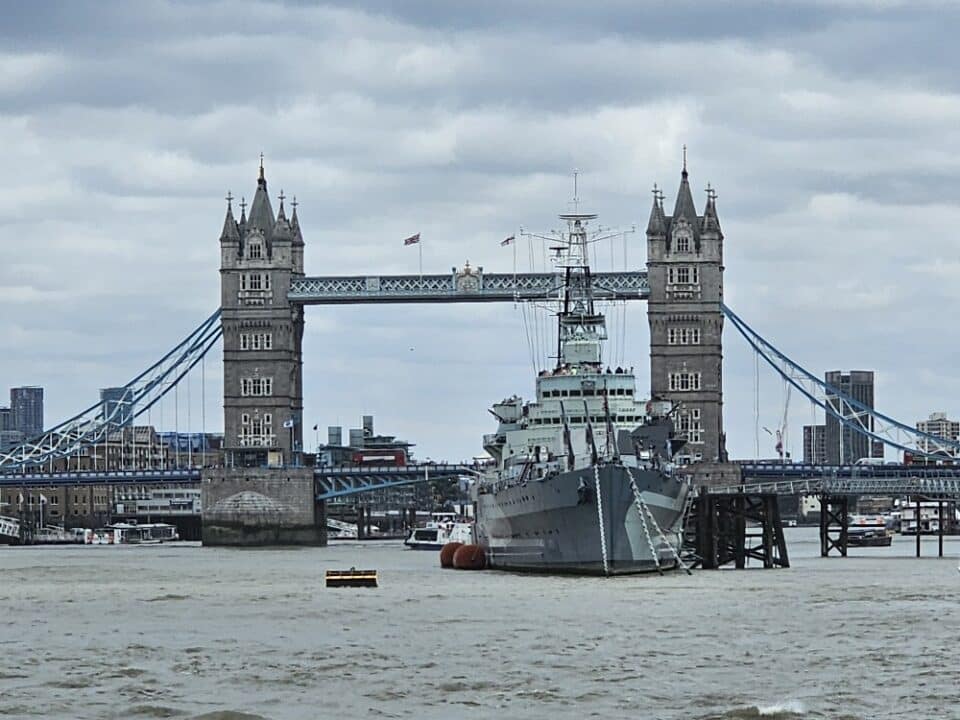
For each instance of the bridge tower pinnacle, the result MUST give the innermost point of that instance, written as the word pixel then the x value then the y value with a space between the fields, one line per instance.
pixel 685 269
pixel 262 334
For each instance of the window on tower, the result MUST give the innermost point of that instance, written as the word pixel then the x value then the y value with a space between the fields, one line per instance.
pixel 256 430
pixel 683 336
pixel 689 426
pixel 684 381
pixel 256 341
pixel 256 387
pixel 682 236
pixel 255 250
pixel 683 275
pixel 255 281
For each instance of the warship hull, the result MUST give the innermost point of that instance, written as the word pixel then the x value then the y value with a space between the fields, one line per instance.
pixel 583 521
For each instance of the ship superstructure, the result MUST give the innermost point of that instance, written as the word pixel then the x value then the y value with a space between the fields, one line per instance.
pixel 582 478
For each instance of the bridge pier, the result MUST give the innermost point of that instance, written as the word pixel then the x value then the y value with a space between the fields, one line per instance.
pixel 261 506
pixel 724 536
pixel 830 516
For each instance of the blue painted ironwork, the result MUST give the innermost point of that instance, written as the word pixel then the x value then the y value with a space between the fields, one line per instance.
pixel 931 488
pixel 343 482
pixel 110 477
pixel 95 423
pixel 466 286
pixel 835 403
pixel 753 472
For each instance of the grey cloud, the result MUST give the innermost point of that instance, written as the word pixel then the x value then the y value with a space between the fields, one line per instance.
pixel 829 130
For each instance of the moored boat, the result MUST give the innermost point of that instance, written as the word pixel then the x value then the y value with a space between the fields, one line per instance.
pixel 442 528
pixel 868 531
pixel 132 534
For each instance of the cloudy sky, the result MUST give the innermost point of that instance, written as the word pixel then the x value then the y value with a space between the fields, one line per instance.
pixel 830 130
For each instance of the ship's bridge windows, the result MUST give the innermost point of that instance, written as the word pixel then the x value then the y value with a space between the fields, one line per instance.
pixel 574 393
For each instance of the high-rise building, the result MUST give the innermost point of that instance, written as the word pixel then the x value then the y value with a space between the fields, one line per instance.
pixel 814 444
pixel 8 435
pixel 845 444
pixel 938 425
pixel 26 407
pixel 117 408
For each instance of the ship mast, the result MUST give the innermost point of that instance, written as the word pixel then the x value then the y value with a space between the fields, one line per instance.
pixel 580 328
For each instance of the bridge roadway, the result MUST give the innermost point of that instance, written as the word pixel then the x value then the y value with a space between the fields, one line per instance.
pixel 935 482
pixel 929 481
pixel 785 471
pixel 330 482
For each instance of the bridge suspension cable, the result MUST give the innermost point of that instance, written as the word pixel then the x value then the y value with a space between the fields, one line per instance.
pixel 94 424
pixel 850 412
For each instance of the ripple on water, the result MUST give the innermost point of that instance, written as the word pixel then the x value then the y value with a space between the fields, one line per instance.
pixel 69 683
pixel 168 597
pixel 153 711
pixel 787 710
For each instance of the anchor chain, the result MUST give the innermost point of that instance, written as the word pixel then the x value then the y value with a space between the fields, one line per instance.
pixel 643 521
pixel 643 509
pixel 603 532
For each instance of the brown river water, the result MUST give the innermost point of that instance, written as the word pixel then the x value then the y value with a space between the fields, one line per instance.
pixel 181 631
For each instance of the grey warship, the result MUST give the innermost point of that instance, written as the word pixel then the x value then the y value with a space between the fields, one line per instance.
pixel 581 479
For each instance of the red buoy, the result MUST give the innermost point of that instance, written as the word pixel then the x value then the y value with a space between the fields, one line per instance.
pixel 447 552
pixel 470 557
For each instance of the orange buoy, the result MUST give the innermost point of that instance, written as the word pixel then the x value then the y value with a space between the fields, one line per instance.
pixel 470 557
pixel 447 552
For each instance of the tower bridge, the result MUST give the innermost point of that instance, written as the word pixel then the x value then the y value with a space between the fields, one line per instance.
pixel 262 493
pixel 264 289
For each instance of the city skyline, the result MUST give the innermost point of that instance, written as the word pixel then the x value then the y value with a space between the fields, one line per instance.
pixel 832 198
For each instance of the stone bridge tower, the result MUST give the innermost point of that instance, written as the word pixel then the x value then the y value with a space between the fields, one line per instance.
pixel 261 495
pixel 262 334
pixel 685 268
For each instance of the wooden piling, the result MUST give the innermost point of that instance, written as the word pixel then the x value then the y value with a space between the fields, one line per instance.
pixel 722 535
pixel 917 500
pixel 940 529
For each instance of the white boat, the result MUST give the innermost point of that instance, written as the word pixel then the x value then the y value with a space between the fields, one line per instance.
pixel 339 530
pixel 132 534
pixel 9 530
pixel 442 528
pixel 868 531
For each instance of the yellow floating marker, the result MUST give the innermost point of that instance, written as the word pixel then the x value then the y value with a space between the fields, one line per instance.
pixel 351 578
